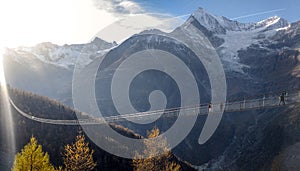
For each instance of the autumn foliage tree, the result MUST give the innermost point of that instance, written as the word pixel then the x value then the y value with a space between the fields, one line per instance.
pixel 32 158
pixel 155 163
pixel 78 156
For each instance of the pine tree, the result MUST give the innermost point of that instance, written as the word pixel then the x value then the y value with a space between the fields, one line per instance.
pixel 155 163
pixel 78 156
pixel 32 158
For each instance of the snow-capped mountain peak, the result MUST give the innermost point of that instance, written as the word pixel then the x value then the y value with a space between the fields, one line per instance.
pixel 273 23
pixel 229 36
pixel 63 56
pixel 220 24
pixel 209 21
pixel 269 21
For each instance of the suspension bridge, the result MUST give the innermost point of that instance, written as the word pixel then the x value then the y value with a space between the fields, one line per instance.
pixel 270 101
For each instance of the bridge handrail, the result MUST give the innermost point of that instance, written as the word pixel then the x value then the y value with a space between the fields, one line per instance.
pixel 241 105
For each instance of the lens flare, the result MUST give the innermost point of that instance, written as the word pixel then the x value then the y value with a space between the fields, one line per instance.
pixel 7 125
pixel 2 77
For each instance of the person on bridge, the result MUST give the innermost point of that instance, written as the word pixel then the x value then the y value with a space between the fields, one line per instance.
pixel 282 98
pixel 221 106
pixel 210 108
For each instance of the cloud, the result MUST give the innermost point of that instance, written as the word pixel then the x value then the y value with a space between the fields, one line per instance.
pixel 119 6
pixel 132 18
pixel 136 23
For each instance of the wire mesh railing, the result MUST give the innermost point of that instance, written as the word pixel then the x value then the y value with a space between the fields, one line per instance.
pixel 266 101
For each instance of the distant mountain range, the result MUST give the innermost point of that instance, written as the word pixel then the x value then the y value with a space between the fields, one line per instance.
pixel 47 68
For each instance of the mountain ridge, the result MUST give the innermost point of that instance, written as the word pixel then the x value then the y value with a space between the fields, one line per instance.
pixel 223 33
pixel 64 56
pixel 222 24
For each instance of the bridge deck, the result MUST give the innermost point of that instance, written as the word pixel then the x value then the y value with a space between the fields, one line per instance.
pixel 235 106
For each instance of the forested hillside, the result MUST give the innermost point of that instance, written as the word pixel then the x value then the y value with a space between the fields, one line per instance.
pixel 53 138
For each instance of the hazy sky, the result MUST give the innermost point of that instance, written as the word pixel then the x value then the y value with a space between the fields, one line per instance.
pixel 28 22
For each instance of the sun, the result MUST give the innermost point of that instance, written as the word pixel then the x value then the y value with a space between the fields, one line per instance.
pixel 29 22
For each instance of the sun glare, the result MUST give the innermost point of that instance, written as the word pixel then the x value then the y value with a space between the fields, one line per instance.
pixel 28 22
pixel 2 77
pixel 8 135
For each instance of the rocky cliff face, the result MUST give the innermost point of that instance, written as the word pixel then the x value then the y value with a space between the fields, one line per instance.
pixel 265 145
